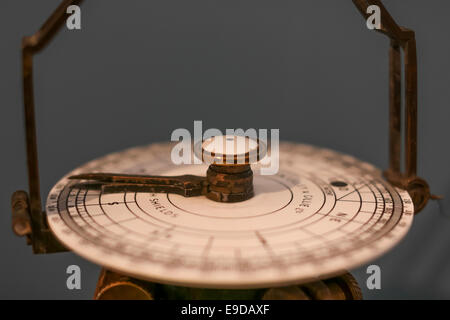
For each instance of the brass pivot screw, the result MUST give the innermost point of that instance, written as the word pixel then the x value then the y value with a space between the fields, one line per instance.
pixel 229 176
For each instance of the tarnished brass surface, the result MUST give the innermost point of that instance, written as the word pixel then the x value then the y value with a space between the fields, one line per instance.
pixel 401 39
pixel 41 238
pixel 21 220
pixel 185 185
pixel 224 182
pixel 227 179
pixel 343 287
pixel 227 183
pixel 113 286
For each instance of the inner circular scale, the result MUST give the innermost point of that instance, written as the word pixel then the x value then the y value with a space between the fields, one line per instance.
pixel 323 213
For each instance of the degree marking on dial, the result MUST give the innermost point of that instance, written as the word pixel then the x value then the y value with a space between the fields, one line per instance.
pixel 119 222
pixel 273 257
pixel 373 222
pixel 208 246
pixel 357 201
pixel 355 189
pixel 261 238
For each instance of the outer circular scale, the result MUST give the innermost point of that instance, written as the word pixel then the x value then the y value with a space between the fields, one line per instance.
pixel 323 213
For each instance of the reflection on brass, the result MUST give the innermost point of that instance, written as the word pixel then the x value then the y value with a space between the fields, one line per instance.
pixel 343 287
pixel 113 286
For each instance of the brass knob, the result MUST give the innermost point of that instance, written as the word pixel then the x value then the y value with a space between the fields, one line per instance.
pixel 229 176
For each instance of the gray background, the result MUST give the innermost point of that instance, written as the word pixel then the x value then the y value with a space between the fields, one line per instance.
pixel 139 69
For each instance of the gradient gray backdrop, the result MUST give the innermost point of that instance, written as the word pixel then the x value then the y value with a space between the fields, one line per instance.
pixel 139 69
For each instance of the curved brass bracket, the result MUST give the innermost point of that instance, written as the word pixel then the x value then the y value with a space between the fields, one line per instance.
pixel 41 237
pixel 401 39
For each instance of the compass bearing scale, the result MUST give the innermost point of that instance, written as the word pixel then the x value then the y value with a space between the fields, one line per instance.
pixel 162 230
pixel 322 214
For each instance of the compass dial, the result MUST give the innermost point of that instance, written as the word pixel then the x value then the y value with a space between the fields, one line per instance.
pixel 323 213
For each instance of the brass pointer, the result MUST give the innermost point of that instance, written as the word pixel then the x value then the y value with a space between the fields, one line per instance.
pixel 185 185
pixel 229 177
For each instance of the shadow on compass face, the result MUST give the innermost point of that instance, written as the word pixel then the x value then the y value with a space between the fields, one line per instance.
pixel 270 196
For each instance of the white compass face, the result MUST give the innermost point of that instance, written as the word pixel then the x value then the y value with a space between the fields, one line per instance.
pixel 323 213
